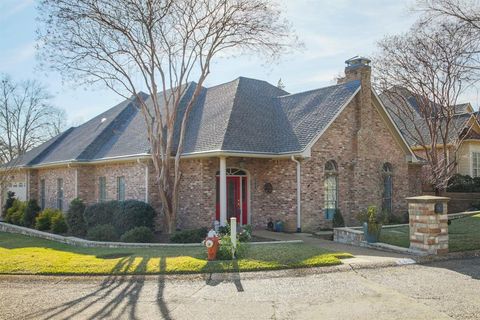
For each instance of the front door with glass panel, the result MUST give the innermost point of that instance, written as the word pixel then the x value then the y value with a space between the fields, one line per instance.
pixel 237 205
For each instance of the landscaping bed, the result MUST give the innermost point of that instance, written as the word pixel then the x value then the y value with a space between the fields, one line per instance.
pixel 464 235
pixel 21 254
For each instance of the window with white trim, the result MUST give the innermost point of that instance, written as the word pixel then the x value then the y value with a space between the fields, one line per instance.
pixel 102 189
pixel 121 188
pixel 331 189
pixel 60 194
pixel 387 188
pixel 475 164
pixel 42 194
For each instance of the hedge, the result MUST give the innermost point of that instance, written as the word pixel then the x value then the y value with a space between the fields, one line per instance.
pixel 463 183
pixel 122 215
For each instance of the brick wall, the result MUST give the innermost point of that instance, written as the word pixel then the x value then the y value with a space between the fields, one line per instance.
pixel 134 173
pixel 360 143
pixel 50 175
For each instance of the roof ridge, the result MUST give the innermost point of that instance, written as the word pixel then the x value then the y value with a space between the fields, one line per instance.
pixel 318 89
pixel 238 80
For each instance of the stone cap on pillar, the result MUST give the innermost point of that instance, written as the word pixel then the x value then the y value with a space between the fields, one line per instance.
pixel 427 198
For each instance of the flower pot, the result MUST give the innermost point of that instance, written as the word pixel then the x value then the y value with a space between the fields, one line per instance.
pixel 370 237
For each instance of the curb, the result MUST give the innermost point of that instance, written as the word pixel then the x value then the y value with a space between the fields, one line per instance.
pixel 213 277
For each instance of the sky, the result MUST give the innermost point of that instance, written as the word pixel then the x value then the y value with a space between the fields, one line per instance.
pixel 332 32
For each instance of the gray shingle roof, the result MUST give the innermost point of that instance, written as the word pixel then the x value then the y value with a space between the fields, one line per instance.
pixel 244 115
pixel 413 126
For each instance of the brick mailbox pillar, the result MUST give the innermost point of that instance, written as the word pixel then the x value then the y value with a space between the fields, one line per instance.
pixel 428 224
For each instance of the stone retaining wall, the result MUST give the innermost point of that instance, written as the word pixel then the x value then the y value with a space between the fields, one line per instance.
pixel 10 228
pixel 353 236
pixel 5 227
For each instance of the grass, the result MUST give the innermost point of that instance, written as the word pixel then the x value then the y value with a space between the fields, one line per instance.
pixel 464 235
pixel 26 255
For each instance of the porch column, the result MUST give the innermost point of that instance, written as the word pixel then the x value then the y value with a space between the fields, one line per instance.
pixel 223 191
pixel 299 194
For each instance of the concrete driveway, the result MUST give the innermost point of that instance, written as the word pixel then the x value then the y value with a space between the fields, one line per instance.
pixel 442 290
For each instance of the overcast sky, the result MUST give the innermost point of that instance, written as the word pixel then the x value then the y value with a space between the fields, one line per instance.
pixel 332 32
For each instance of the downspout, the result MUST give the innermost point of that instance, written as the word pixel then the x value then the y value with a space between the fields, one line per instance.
pixel 299 195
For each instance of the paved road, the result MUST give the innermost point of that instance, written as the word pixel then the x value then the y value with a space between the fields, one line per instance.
pixel 443 290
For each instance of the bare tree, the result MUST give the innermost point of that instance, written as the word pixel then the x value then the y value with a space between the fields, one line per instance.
pixel 157 46
pixel 421 75
pixel 26 120
pixel 464 14
pixel 27 117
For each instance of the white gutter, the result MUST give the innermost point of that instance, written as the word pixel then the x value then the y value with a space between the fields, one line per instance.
pixel 243 154
pixel 299 195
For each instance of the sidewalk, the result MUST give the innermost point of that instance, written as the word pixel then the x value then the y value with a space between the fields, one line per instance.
pixel 363 257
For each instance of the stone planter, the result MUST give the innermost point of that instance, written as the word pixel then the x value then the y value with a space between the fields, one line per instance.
pixel 371 237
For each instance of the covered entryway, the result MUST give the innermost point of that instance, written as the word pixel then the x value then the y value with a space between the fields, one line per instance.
pixel 236 195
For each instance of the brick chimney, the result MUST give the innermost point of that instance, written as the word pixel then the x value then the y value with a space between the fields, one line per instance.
pixel 358 68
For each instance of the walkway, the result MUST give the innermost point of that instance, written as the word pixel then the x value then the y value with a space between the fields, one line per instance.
pixel 363 257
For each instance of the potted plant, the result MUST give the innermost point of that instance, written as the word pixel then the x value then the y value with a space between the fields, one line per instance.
pixel 372 224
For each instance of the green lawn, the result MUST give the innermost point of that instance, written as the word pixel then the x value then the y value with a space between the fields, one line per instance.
pixel 25 255
pixel 464 235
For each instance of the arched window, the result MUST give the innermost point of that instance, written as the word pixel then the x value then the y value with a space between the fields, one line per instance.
pixel 387 171
pixel 331 189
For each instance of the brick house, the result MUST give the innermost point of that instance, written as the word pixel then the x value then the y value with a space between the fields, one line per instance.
pixel 252 151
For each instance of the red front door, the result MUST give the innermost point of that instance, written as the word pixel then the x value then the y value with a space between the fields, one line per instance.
pixel 236 199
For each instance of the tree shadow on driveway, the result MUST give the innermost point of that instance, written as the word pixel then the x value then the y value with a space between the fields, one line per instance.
pixel 117 295
pixel 234 277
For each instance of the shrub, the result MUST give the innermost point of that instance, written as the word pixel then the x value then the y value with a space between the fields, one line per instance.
pixel 189 236
pixel 74 218
pixel 134 214
pixel 224 229
pixel 338 221
pixel 57 223
pixel 101 213
pixel 245 234
pixel 9 202
pixel 463 183
pixel 16 212
pixel 476 205
pixel 138 234
pixel 44 219
pixel 398 219
pixel 31 212
pixel 226 247
pixel 123 215
pixel 372 218
pixel 102 232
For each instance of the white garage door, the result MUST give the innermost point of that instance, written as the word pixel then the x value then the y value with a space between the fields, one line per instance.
pixel 20 189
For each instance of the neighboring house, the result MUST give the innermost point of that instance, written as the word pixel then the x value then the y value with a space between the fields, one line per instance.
pixel 464 133
pixel 266 153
